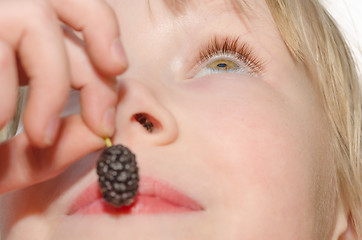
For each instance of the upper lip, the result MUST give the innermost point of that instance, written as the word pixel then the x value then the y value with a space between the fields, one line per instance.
pixel 148 186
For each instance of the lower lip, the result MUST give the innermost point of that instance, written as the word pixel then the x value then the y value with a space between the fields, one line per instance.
pixel 153 198
pixel 141 205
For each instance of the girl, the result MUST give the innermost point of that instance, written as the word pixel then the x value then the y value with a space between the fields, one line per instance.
pixel 256 115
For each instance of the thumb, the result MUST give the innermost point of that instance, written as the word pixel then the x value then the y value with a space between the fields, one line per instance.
pixel 22 164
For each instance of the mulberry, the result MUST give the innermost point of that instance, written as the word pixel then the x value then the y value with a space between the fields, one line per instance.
pixel 118 175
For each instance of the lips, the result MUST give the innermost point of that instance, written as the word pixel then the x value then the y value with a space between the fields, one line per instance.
pixel 154 197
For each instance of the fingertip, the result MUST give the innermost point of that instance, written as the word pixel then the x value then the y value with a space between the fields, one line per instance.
pixel 119 55
pixel 51 132
pixel 110 62
pixel 73 129
pixel 109 122
pixel 41 129
pixel 98 103
pixel 104 125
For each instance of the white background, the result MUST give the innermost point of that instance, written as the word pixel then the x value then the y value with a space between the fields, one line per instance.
pixel 348 14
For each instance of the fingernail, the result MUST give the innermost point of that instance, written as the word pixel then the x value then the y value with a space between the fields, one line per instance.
pixel 118 53
pixel 51 131
pixel 109 121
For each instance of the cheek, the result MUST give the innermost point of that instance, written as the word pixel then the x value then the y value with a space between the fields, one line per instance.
pixel 264 152
pixel 271 172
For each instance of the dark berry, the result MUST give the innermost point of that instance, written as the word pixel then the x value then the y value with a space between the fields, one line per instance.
pixel 118 175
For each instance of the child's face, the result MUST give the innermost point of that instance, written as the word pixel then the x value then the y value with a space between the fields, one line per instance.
pixel 246 145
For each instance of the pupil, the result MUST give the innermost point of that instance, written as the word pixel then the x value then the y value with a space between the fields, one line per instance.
pixel 222 65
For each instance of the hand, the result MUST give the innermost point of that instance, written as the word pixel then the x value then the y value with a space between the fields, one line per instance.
pixel 23 164
pixel 30 30
pixel 33 51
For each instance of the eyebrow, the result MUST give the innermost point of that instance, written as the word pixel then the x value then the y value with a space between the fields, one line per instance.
pixel 178 7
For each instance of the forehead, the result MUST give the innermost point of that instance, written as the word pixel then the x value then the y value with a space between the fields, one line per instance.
pixel 247 11
pixel 166 20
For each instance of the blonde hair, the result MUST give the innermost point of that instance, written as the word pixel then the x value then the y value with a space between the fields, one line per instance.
pixel 314 39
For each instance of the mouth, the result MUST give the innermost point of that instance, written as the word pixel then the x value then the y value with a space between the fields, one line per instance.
pixel 154 197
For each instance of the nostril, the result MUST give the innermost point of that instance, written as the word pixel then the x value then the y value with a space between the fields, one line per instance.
pixel 147 121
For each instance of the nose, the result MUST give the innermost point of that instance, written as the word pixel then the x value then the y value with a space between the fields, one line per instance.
pixel 141 116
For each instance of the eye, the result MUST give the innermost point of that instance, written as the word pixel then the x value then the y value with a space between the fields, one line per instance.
pixel 227 55
pixel 223 63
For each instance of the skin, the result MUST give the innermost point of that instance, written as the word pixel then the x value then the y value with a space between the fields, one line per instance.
pixel 248 148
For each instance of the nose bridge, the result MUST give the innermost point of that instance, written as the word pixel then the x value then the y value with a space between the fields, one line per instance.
pixel 142 116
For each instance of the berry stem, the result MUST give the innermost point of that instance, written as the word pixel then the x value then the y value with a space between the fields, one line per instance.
pixel 108 142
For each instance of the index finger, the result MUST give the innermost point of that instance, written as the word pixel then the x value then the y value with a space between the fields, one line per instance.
pixel 98 23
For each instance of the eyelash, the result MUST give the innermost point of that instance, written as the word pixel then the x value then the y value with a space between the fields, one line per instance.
pixel 231 47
